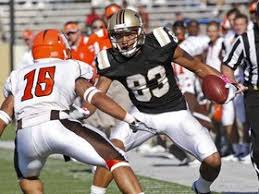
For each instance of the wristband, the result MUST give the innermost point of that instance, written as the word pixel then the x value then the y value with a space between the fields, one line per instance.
pixel 5 117
pixel 225 79
pixel 89 93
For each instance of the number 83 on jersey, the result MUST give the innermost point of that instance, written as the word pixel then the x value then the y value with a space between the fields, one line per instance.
pixel 155 83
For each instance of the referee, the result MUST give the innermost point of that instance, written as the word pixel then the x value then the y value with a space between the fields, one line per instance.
pixel 245 52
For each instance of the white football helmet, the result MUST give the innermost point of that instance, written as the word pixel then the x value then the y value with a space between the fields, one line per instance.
pixel 126 22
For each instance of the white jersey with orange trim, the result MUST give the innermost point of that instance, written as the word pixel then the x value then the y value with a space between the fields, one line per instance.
pixel 214 58
pixel 45 86
pixel 215 54
pixel 195 45
pixel 187 80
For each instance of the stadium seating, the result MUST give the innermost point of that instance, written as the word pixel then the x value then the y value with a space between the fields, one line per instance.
pixel 55 13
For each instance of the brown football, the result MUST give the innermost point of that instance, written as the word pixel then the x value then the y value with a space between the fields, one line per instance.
pixel 214 89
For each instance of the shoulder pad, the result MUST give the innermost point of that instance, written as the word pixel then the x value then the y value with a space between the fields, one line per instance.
pixel 163 36
pixel 102 60
pixel 85 70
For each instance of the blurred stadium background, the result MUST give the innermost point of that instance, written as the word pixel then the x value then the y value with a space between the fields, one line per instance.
pixel 19 15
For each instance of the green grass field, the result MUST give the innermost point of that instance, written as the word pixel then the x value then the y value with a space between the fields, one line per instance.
pixel 67 178
pixel 60 177
pixel 9 133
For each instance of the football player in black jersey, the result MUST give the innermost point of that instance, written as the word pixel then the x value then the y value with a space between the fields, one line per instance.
pixel 142 63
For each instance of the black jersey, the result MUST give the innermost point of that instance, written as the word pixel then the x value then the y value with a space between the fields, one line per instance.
pixel 148 75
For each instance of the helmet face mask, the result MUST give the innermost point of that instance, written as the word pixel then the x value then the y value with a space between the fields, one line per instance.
pixel 126 32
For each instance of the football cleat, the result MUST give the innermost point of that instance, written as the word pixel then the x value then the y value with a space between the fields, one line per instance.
pixel 196 190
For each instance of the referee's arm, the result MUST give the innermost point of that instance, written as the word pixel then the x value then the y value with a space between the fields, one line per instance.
pixel 233 59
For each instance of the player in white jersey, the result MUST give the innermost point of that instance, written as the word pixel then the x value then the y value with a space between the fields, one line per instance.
pixel 189 84
pixel 215 54
pixel 39 97
pixel 187 81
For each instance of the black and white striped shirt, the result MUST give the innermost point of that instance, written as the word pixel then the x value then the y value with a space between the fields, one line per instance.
pixel 245 52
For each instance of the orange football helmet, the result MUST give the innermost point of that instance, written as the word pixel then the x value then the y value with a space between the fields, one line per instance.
pixel 111 9
pixel 50 43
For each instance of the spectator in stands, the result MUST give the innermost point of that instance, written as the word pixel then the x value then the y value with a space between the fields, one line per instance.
pixel 179 30
pixel 97 25
pixel 80 49
pixel 215 53
pixel 240 24
pixel 228 24
pixel 91 17
pixel 145 16
pixel 27 36
pixel 194 36
pixel 193 28
pixel 190 86
pixel 252 11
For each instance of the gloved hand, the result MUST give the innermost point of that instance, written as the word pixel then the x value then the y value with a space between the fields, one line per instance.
pixel 232 91
pixel 232 88
pixel 78 112
pixel 140 126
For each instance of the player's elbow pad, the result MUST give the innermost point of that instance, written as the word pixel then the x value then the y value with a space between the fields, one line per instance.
pixel 89 93
pixel 5 117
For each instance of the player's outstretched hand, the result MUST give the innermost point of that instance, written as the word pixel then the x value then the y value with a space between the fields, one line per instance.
pixel 140 126
pixel 232 91
pixel 233 88
pixel 78 113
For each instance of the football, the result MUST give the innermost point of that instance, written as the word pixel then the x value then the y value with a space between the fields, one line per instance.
pixel 214 89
